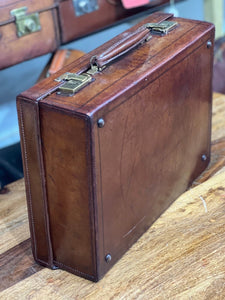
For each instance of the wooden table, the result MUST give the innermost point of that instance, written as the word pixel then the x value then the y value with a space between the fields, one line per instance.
pixel 182 256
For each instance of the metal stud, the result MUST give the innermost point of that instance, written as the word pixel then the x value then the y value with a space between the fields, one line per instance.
pixel 108 258
pixel 209 44
pixel 101 123
pixel 204 157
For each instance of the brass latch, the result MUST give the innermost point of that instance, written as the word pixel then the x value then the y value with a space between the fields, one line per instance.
pixel 83 7
pixel 161 28
pixel 73 83
pixel 25 23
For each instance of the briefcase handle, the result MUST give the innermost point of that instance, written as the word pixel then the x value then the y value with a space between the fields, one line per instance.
pixel 130 42
pixel 123 46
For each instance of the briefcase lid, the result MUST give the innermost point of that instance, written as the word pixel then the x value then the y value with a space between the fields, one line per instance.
pixel 149 59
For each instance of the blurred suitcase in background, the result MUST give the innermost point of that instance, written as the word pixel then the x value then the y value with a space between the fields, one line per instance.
pixel 110 141
pixel 81 17
pixel 60 59
pixel 28 29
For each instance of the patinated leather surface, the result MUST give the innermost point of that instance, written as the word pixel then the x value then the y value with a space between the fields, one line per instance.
pixel 105 186
pixel 16 49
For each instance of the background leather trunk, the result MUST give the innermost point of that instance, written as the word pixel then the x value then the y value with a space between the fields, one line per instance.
pixel 108 12
pixel 15 49
pixel 59 59
pixel 103 164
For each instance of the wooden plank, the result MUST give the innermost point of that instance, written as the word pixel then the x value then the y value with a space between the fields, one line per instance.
pixel 182 256
pixel 217 161
pixel 17 264
pixel 13 216
pixel 218 117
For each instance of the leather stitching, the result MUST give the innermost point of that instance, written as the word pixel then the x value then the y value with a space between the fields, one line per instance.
pixel 73 269
pixel 28 187
pixel 44 196
pixel 90 198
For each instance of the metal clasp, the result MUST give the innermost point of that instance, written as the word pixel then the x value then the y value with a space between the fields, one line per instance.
pixel 82 7
pixel 25 24
pixel 161 28
pixel 73 83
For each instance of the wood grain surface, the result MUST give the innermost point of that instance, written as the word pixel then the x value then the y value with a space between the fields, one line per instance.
pixel 182 256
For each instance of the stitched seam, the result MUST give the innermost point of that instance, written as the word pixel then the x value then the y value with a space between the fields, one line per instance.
pixel 90 198
pixel 100 168
pixel 78 115
pixel 43 183
pixel 43 262
pixel 73 269
pixel 29 197
pixel 210 110
pixel 95 202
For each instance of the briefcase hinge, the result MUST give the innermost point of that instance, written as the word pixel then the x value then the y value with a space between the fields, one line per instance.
pixel 72 83
pixel 25 23
pixel 161 28
pixel 82 7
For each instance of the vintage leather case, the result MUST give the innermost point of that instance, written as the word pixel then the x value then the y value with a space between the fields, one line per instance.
pixel 102 164
pixel 59 59
pixel 27 29
pixel 81 17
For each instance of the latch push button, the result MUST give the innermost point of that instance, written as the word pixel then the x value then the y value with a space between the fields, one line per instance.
pixel 73 83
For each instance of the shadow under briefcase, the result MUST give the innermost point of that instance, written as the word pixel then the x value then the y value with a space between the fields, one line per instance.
pixel 112 139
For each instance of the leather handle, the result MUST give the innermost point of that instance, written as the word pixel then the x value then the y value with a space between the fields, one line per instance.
pixel 126 44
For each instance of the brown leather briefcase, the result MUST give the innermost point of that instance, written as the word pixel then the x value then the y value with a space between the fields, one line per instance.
pixel 27 29
pixel 112 139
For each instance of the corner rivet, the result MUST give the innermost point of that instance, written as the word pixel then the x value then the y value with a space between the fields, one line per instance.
pixel 204 157
pixel 101 123
pixel 209 44
pixel 108 258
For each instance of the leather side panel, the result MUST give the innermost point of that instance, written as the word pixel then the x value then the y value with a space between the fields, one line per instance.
pixel 27 113
pixel 150 150
pixel 66 153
